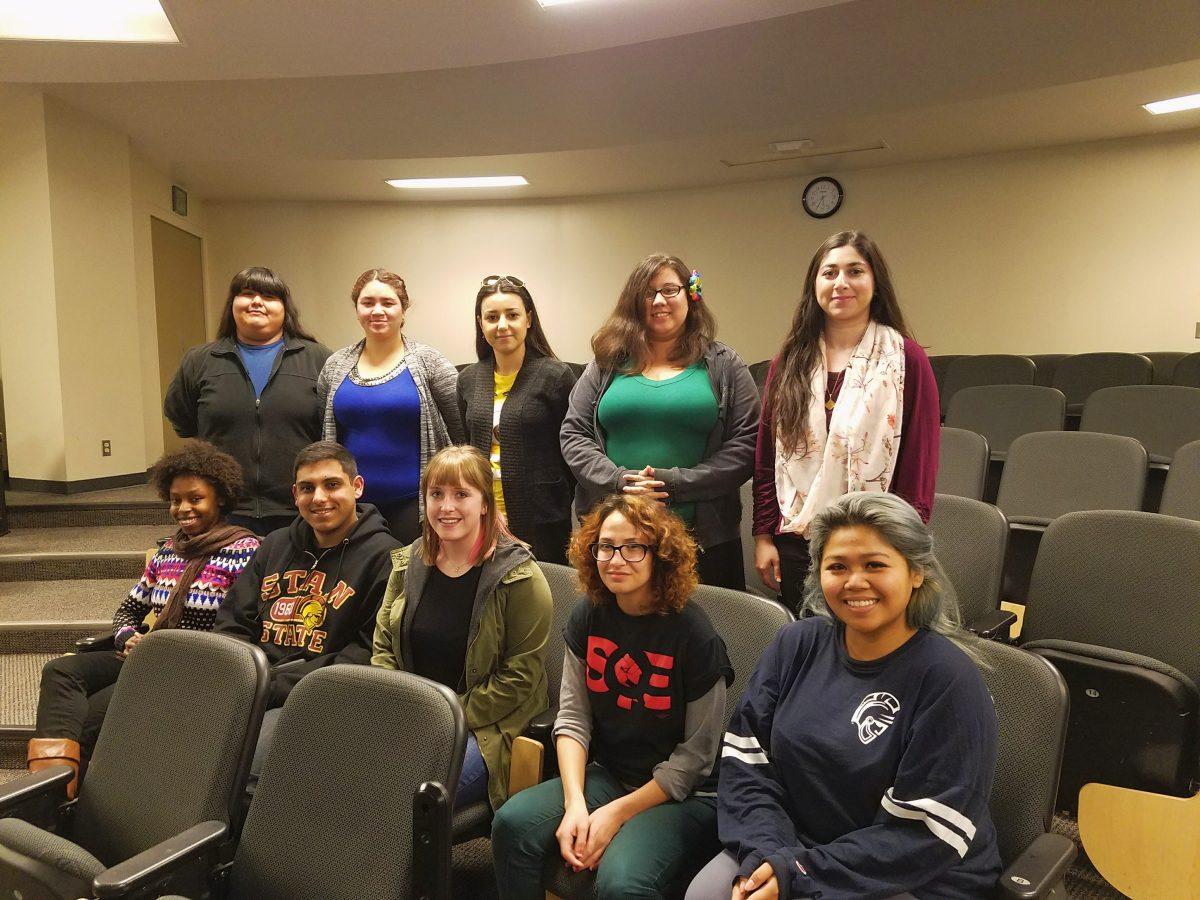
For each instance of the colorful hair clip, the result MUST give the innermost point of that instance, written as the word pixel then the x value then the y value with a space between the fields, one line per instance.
pixel 695 287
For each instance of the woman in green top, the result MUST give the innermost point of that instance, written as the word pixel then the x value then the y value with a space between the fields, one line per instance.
pixel 512 402
pixel 668 412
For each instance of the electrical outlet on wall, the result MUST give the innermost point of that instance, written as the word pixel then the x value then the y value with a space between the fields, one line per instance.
pixel 106 448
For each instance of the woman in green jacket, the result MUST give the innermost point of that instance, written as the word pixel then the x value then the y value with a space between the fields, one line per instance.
pixel 468 607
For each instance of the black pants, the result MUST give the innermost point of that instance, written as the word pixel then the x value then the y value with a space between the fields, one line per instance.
pixel 403 518
pixel 262 525
pixel 793 568
pixel 721 565
pixel 549 541
pixel 75 694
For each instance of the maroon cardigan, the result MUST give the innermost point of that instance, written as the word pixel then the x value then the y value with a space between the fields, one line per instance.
pixel 915 477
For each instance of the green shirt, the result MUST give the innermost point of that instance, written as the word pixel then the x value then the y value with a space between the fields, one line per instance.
pixel 664 424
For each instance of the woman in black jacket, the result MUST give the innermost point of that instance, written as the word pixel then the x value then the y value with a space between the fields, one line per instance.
pixel 513 402
pixel 253 394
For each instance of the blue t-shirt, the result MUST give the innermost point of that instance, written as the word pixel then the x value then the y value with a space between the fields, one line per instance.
pixel 381 425
pixel 258 362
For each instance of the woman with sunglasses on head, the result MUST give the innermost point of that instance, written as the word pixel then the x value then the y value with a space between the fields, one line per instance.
pixel 512 404
pixel 859 761
pixel 667 412
pixel 850 405
pixel 252 394
pixel 467 606
pixel 643 696
pixel 390 401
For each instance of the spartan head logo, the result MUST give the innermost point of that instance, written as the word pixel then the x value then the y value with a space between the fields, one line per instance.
pixel 874 714
pixel 312 611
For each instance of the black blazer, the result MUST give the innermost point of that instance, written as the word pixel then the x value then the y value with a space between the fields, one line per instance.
pixel 538 486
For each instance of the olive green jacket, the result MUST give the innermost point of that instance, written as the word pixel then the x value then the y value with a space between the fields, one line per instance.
pixel 504 679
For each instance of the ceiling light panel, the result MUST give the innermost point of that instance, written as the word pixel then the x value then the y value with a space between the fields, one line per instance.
pixel 1175 104
pixel 481 181
pixel 117 21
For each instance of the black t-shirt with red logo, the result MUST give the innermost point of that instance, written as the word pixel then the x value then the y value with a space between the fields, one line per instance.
pixel 641 673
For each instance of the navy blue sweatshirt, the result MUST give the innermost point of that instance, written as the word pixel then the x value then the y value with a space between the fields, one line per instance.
pixel 860 780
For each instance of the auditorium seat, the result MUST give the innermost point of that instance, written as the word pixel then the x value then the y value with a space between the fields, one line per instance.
pixel 1004 412
pixel 970 538
pixel 758 371
pixel 1046 364
pixel 1162 417
pixel 962 463
pixel 1164 364
pixel 941 365
pixel 1181 495
pixel 754 584
pixel 1112 604
pixel 989 368
pixel 1187 371
pixel 174 753
pixel 1079 376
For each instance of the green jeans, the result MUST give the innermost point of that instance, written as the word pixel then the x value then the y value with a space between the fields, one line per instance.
pixel 655 854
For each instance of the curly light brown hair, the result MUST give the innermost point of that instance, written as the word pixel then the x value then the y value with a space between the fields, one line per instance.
pixel 673 577
pixel 203 460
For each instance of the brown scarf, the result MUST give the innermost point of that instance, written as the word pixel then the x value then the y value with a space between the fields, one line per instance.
pixel 197 551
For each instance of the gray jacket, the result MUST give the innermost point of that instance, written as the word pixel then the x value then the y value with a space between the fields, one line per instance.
pixel 712 484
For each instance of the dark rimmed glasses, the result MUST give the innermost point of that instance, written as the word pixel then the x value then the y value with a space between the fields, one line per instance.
pixel 493 280
pixel 633 553
pixel 670 291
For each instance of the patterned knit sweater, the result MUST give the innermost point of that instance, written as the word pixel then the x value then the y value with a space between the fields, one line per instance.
pixel 205 596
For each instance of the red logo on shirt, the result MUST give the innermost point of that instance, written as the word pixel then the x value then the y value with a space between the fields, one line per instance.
pixel 637 676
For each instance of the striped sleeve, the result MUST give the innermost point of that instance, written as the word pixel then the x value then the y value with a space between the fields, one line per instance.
pixel 137 604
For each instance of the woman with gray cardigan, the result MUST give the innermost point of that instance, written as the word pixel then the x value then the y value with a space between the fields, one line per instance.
pixel 512 404
pixel 668 412
pixel 390 401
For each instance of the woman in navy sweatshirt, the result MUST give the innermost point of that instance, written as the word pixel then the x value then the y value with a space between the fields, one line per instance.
pixel 860 759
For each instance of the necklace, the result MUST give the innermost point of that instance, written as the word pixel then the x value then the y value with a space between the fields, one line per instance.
pixel 831 389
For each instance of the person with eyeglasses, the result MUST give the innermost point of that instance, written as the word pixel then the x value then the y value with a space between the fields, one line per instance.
pixel 667 412
pixel 512 403
pixel 642 696
pixel 390 401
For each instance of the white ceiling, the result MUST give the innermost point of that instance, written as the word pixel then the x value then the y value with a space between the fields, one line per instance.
pixel 307 99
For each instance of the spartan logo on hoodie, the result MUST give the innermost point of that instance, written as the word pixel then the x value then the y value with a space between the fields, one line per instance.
pixel 298 607
pixel 874 714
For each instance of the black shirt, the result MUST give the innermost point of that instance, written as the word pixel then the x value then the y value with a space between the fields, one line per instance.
pixel 641 673
pixel 440 624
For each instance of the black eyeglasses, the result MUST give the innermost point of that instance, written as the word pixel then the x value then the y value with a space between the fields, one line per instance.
pixel 629 552
pixel 669 291
pixel 493 280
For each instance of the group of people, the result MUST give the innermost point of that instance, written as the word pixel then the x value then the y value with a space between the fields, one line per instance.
pixel 859 760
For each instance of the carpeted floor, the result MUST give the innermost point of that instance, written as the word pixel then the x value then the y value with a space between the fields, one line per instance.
pixel 83 540
pixel 19 677
pixel 71 600
pixel 136 494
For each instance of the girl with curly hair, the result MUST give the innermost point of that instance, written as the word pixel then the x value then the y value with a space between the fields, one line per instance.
pixel 183 585
pixel 643 688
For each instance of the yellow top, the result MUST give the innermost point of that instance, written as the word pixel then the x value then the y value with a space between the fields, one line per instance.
pixel 503 384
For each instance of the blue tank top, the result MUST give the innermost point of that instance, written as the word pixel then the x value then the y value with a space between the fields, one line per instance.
pixel 381 425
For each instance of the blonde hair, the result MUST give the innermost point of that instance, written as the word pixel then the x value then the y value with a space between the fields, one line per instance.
pixel 462 466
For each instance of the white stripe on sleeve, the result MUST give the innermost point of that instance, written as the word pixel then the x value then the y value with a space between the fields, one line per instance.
pixel 744 743
pixel 951 837
pixel 941 810
pixel 757 759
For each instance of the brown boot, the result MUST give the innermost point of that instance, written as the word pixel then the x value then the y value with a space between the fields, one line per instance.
pixel 46 752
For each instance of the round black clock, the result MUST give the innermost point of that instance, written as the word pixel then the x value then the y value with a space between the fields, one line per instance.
pixel 822 197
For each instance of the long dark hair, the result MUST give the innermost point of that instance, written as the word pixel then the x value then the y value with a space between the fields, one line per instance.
pixel 262 281
pixel 789 389
pixel 621 341
pixel 535 338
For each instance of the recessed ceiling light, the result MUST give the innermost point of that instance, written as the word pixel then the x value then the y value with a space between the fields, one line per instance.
pixel 1175 104
pixel 482 181
pixel 555 2
pixel 118 21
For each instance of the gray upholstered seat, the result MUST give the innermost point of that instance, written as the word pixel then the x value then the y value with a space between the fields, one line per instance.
pixel 173 751
pixel 1165 362
pixel 962 463
pixel 754 584
pixel 1049 473
pixel 1004 412
pixel 69 869
pixel 1079 376
pixel 970 538
pixel 1046 364
pixel 987 368
pixel 1187 371
pixel 1181 495
pixel 941 365
pixel 332 816
pixel 1162 417
pixel 758 371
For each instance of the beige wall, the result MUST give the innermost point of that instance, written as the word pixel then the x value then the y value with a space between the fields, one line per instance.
pixel 1069 249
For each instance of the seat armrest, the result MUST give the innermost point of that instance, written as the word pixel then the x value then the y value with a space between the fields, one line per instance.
pixel 994 626
pixel 105 640
pixel 541 726
pixel 145 870
pixel 48 785
pixel 1039 869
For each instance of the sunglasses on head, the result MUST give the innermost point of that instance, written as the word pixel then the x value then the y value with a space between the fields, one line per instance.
pixel 493 280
